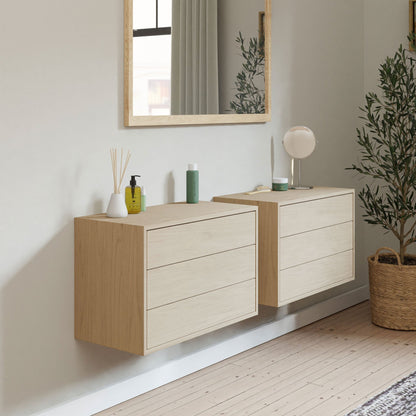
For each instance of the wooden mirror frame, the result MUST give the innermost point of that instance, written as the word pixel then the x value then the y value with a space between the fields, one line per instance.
pixel 182 120
pixel 412 23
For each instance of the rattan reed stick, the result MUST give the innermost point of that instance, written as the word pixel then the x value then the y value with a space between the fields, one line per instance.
pixel 124 170
pixel 113 153
pixel 118 180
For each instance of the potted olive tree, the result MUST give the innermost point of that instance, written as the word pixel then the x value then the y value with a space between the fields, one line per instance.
pixel 387 143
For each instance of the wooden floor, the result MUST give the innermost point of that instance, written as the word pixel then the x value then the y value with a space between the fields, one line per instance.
pixel 325 369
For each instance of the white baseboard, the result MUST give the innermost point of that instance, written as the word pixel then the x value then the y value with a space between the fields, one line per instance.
pixel 120 392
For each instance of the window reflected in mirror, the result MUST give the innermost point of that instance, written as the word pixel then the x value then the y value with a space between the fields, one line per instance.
pixel 152 57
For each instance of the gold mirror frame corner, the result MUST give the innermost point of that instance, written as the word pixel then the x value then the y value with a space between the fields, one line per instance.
pixel 188 120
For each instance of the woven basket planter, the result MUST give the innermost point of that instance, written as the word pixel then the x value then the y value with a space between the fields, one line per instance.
pixel 392 293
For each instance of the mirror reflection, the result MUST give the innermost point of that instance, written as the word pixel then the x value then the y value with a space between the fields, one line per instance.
pixel 195 57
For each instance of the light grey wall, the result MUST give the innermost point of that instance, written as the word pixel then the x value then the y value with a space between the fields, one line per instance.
pixel 61 107
pixel 386 27
pixel 318 82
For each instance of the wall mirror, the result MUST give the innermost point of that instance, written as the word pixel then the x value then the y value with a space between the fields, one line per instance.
pixel 190 62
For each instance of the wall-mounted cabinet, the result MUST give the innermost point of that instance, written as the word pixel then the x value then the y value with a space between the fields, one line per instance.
pixel 164 276
pixel 306 241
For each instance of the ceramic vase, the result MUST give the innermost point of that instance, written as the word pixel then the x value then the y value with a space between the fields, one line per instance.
pixel 117 207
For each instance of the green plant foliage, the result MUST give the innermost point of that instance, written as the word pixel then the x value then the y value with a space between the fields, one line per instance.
pixel 250 99
pixel 388 150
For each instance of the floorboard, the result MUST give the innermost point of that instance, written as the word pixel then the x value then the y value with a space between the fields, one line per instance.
pixel 324 369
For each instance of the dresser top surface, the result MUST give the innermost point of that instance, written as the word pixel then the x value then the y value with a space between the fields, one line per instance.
pixel 289 197
pixel 172 214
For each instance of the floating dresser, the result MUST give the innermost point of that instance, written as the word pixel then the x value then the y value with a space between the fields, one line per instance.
pixel 306 241
pixel 164 276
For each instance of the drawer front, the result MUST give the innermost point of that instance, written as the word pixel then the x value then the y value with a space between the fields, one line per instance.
pixel 307 279
pixel 194 277
pixel 195 315
pixel 302 248
pixel 188 241
pixel 311 215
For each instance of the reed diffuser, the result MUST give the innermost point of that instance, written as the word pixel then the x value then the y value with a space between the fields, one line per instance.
pixel 117 206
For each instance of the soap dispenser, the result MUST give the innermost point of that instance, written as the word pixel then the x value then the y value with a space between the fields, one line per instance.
pixel 133 196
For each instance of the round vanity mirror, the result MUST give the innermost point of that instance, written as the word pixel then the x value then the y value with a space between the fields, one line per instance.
pixel 299 142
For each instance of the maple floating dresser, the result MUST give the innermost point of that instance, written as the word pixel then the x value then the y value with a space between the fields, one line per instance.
pixel 166 275
pixel 306 241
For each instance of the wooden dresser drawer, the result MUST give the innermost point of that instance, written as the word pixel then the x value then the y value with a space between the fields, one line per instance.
pixel 311 215
pixel 185 319
pixel 188 241
pixel 166 275
pixel 300 233
pixel 193 277
pixel 310 278
pixel 303 248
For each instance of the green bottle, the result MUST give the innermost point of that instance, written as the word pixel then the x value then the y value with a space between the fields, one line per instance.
pixel 192 184
pixel 143 200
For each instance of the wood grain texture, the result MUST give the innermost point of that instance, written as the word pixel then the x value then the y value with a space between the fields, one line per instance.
pixel 172 283
pixel 111 263
pixel 268 259
pixel 109 285
pixel 303 248
pixel 287 197
pixel 187 241
pixel 412 22
pixel 327 368
pixel 213 310
pixel 292 213
pixel 313 277
pixel 197 120
pixel 267 248
pixel 128 61
pixel 318 213
pixel 268 60
pixel 159 216
pixel 131 120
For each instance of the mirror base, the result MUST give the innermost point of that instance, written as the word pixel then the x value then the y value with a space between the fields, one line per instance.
pixel 301 187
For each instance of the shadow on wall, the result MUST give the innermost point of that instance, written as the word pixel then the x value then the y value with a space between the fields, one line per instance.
pixel 39 353
pixel 42 364
pixel 169 188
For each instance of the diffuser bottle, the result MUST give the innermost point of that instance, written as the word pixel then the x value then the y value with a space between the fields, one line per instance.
pixel 192 184
pixel 117 207
pixel 133 196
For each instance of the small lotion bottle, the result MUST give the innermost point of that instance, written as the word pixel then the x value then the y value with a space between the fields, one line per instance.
pixel 192 184
pixel 133 196
pixel 143 200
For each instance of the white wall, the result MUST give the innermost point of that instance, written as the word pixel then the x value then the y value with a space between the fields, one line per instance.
pixel 61 110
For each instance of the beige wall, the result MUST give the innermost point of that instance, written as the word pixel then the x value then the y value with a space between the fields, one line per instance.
pixel 61 105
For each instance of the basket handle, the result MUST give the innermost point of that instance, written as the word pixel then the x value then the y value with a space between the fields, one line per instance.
pixel 387 249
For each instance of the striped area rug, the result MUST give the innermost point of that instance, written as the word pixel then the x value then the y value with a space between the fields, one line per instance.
pixel 398 400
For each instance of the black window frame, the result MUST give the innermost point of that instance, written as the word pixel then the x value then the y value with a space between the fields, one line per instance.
pixel 153 31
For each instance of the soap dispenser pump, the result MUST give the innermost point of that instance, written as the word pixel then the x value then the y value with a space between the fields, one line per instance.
pixel 133 196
